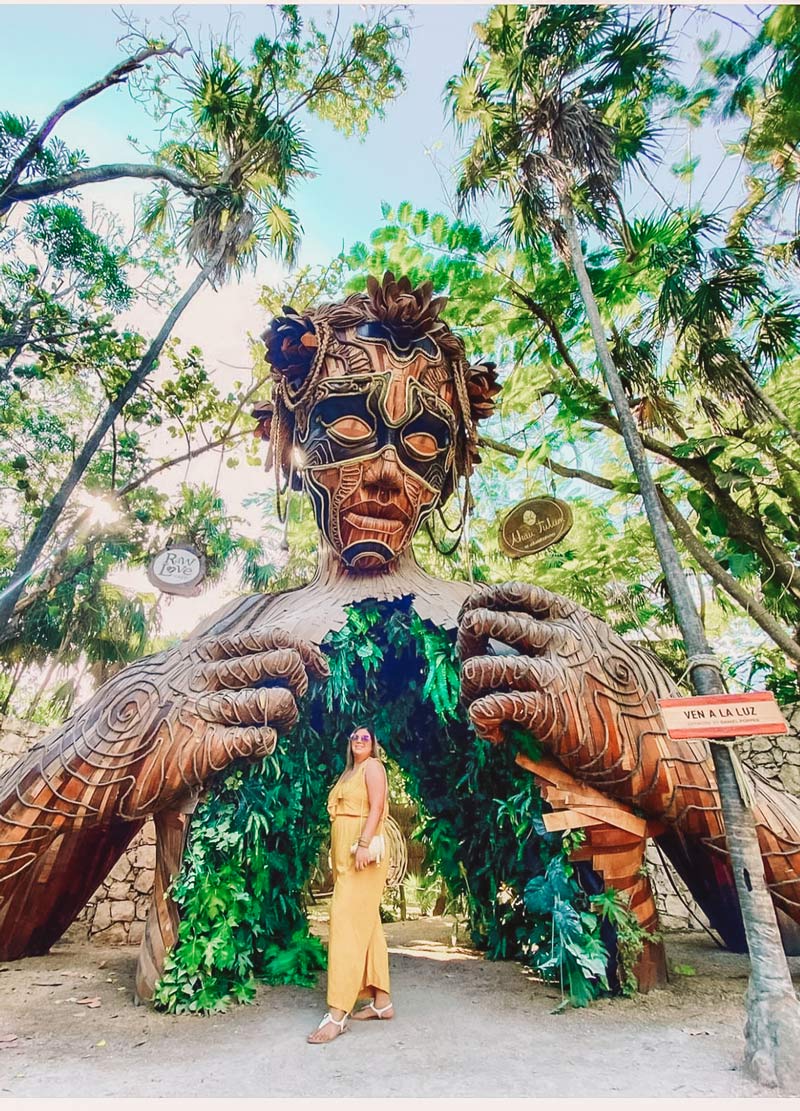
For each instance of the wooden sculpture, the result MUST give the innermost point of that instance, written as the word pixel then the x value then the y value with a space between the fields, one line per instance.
pixel 616 840
pixel 374 415
pixel 591 699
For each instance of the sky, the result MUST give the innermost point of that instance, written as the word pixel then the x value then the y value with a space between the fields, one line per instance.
pixel 339 206
pixel 51 51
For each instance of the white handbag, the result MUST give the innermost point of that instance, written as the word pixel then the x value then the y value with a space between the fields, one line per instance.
pixel 376 849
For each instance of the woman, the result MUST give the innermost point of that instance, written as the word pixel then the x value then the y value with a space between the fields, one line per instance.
pixel 358 960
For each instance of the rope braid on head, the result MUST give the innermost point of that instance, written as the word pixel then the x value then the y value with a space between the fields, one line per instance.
pixel 298 406
pixel 461 529
pixel 389 301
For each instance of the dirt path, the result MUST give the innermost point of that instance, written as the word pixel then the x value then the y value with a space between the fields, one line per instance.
pixel 464 1027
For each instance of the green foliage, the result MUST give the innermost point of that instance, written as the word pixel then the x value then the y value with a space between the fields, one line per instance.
pixel 233 131
pixel 557 102
pixel 691 325
pixel 251 845
pixel 255 838
pixel 758 87
pixel 614 907
pixel 237 127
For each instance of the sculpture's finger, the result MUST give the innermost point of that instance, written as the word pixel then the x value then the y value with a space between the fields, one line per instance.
pixel 252 741
pixel 518 630
pixel 482 675
pixel 281 665
pixel 534 711
pixel 273 706
pixel 520 596
pixel 263 640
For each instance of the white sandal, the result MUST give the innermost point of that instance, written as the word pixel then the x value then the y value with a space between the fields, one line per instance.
pixel 326 1018
pixel 379 1011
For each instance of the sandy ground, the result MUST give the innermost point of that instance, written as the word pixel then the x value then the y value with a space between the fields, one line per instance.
pixel 464 1027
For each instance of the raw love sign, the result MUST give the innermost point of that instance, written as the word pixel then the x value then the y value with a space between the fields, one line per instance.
pixel 723 715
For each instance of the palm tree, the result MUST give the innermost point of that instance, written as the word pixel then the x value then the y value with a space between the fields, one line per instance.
pixel 560 101
pixel 240 138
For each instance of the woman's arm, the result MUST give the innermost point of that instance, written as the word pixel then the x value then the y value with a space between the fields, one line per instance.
pixel 375 779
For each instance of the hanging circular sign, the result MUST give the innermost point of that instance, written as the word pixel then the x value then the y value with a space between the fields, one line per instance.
pixel 533 525
pixel 177 570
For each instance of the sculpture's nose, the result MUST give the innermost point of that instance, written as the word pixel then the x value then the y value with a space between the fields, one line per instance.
pixel 382 474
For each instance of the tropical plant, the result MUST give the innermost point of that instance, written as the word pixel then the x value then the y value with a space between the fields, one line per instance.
pixel 727 487
pixel 760 83
pixel 560 101
pixel 255 839
pixel 231 129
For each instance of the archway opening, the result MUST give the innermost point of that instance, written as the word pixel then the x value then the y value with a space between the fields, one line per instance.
pixel 256 837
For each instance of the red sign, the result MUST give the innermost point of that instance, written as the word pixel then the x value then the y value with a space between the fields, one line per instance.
pixel 723 715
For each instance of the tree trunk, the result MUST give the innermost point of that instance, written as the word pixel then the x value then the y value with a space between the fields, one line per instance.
pixel 49 518
pixel 772 1029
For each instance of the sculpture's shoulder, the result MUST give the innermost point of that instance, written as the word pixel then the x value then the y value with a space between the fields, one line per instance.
pixel 241 614
pixel 319 608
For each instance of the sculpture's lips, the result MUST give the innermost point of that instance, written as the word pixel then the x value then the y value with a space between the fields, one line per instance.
pixel 372 516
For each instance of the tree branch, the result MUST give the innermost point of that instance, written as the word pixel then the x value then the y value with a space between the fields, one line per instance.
pixel 47 521
pixel 90 175
pixel 544 316
pixel 115 76
pixel 729 584
pixel 135 483
pixel 556 468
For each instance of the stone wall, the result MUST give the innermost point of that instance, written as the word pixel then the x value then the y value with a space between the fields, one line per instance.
pixel 16 737
pixel 116 912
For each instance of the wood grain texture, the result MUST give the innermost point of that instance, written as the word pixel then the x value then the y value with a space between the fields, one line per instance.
pixel 161 927
pixel 154 735
pixel 145 744
pixel 616 840
pixel 591 699
pixel 374 411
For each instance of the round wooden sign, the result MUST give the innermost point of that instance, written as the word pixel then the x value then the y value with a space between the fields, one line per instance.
pixel 177 570
pixel 533 525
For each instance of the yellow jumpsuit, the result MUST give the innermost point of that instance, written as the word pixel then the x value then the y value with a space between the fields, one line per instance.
pixel 357 955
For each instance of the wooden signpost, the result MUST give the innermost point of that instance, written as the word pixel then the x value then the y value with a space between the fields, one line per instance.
pixel 721 716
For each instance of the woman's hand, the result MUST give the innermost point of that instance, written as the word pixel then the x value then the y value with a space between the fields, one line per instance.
pixel 362 858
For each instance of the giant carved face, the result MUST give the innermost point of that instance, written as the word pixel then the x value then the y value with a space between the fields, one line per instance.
pixel 378 446
pixel 372 405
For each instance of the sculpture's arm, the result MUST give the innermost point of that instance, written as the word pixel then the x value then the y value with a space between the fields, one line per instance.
pixel 145 743
pixel 591 699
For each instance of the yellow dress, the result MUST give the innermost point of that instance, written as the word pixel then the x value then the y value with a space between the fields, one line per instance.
pixel 357 955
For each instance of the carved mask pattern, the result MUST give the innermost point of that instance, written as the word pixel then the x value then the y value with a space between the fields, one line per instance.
pixel 377 446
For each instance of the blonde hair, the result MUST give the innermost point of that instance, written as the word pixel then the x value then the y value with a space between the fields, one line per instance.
pixel 374 751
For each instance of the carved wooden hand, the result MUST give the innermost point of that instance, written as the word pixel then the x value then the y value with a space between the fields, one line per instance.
pixel 590 698
pixel 145 744
pixel 587 695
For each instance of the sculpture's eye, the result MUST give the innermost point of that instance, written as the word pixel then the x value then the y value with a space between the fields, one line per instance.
pixel 350 430
pixel 422 444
